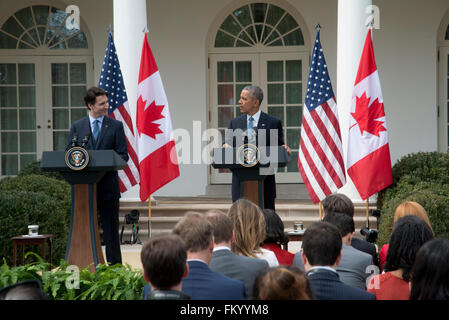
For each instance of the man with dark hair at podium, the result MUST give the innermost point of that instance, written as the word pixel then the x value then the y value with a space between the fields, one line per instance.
pixel 97 131
pixel 257 127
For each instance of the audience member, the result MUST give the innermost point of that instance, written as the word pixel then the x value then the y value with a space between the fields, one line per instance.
pixel 24 290
pixel 275 237
pixel 164 266
pixel 321 254
pixel 409 234
pixel 340 203
pixel 249 231
pixel 404 209
pixel 227 262
pixel 282 283
pixel 202 283
pixel 430 272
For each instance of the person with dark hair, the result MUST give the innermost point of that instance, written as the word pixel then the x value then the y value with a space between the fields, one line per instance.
pixel 341 203
pixel 104 133
pixel 409 234
pixel 164 266
pixel 430 272
pixel 24 290
pixel 275 237
pixel 227 262
pixel 282 283
pixel 321 254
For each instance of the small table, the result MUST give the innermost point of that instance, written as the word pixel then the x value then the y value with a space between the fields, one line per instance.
pixel 22 241
pixel 294 236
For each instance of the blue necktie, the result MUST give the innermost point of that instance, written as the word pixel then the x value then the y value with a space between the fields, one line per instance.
pixel 96 129
pixel 250 128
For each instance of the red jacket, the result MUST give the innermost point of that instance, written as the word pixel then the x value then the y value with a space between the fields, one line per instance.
pixel 284 257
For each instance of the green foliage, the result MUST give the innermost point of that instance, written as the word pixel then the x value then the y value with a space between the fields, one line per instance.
pixel 34 199
pixel 116 282
pixel 35 168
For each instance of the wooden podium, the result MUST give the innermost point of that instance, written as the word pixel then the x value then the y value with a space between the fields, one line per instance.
pixel 83 245
pixel 251 173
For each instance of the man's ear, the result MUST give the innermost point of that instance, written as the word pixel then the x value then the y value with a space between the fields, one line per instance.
pixel 337 262
pixel 186 270
pixel 145 277
pixel 304 258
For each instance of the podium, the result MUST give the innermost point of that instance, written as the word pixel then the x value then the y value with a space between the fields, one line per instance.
pixel 251 164
pixel 83 245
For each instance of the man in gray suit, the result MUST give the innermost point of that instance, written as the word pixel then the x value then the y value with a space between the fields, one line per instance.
pixel 227 262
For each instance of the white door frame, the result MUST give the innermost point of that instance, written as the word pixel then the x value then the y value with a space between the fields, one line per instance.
pixel 443 104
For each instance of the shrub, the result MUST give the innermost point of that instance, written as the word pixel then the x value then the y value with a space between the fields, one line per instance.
pixel 35 168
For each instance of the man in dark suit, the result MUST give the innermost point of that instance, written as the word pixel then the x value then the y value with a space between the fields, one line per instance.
pixel 102 133
pixel 257 127
pixel 321 254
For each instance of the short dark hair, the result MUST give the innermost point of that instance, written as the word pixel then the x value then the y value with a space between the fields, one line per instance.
pixel 338 202
pixel 274 228
pixel 322 244
pixel 409 234
pixel 92 93
pixel 255 92
pixel 343 222
pixel 195 230
pixel 164 260
pixel 221 224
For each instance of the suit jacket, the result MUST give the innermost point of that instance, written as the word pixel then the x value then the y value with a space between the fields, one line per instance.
pixel 265 124
pixel 112 136
pixel 326 285
pixel 367 247
pixel 204 284
pixel 238 267
pixel 352 266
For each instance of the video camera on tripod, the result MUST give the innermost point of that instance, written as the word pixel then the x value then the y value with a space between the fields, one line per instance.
pixel 133 219
pixel 371 234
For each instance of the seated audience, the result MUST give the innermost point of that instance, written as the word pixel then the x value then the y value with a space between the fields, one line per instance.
pixel 430 272
pixel 340 203
pixel 275 237
pixel 164 266
pixel 321 254
pixel 409 234
pixel 282 283
pixel 202 283
pixel 249 231
pixel 227 262
pixel 24 290
pixel 404 209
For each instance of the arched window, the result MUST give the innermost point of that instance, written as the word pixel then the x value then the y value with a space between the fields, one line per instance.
pixel 40 26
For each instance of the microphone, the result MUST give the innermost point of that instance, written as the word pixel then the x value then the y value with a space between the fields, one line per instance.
pixel 85 141
pixel 74 141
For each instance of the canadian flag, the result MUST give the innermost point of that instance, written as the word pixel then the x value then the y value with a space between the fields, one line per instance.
pixel 158 161
pixel 368 159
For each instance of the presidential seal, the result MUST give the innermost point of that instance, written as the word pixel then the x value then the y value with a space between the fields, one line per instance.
pixel 77 158
pixel 248 155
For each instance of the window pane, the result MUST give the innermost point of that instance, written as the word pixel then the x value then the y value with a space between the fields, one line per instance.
pixel 26 159
pixel 231 26
pixel 78 114
pixel 78 41
pixel 293 70
pixel 242 14
pixel 292 166
pixel 8 97
pixel 225 114
pixel 277 112
pixel 447 33
pixel 225 71
pixel 241 44
pixel 25 17
pixel 287 24
pixel 225 94
pixel 26 73
pixel 78 73
pixel 77 96
pixel 243 71
pixel 41 14
pixel 9 119
pixel 274 14
pixel 223 40
pixel 294 116
pixel 276 93
pixel 294 38
pixel 27 97
pixel 293 136
pixel 7 73
pixel 259 10
pixel 60 140
pixel 275 71
pixel 9 165
pixel 28 142
pixel 9 142
pixel 59 73
pixel 294 93
pixel 27 119
pixel 61 119
pixel 60 96
pixel 7 42
pixel 12 26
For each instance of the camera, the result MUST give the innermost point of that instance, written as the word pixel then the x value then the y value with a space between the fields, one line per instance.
pixel 132 217
pixel 369 234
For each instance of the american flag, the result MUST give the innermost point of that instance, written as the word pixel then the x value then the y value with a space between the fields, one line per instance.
pixel 111 80
pixel 320 159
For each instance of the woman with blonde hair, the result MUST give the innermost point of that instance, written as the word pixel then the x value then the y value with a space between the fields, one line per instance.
pixel 406 208
pixel 249 231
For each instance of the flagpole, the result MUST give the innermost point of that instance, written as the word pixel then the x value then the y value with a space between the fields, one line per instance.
pixel 149 217
pixel 367 213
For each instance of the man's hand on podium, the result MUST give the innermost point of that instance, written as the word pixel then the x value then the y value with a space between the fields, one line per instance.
pixel 225 145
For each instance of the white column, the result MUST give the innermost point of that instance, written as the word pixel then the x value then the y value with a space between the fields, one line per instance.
pixel 351 35
pixel 130 19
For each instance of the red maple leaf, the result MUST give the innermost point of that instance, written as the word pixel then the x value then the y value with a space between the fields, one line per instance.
pixel 146 117
pixel 366 115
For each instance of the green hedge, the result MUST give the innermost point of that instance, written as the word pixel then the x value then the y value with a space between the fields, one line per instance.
pixel 35 168
pixel 34 199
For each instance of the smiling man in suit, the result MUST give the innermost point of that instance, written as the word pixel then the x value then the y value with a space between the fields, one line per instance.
pixel 103 133
pixel 257 127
